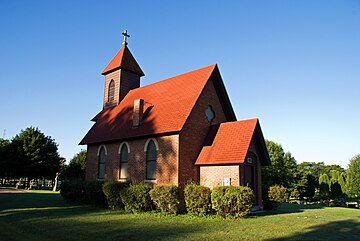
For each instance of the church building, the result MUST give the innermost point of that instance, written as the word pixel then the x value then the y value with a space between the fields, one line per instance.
pixel 173 131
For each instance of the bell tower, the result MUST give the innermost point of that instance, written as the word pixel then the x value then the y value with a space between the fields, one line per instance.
pixel 122 74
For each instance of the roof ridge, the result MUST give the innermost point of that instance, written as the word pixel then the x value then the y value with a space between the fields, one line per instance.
pixel 246 120
pixel 172 77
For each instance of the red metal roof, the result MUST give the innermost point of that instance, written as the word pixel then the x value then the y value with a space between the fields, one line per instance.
pixel 230 145
pixel 168 104
pixel 123 60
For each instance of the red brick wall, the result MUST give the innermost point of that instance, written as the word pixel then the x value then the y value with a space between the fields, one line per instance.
pixel 166 164
pixel 213 176
pixel 195 130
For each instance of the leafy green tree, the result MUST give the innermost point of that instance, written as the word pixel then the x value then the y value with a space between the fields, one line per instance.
pixel 304 184
pixel 35 155
pixel 353 177
pixel 76 167
pixel 342 182
pixel 5 165
pixel 329 168
pixel 282 169
pixel 335 188
pixel 324 189
pixel 315 169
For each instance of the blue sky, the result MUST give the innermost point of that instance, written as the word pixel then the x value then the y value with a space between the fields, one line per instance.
pixel 293 64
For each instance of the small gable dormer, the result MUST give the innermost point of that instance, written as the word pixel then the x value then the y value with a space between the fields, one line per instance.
pixel 122 74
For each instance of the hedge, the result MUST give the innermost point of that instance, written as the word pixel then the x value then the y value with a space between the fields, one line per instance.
pixel 88 192
pixel 112 193
pixel 166 198
pixel 232 201
pixel 94 194
pixel 73 190
pixel 136 198
pixel 197 199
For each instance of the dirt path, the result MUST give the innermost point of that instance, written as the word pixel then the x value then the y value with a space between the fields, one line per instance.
pixel 6 190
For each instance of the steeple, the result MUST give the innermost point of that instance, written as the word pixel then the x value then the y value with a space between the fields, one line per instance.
pixel 122 74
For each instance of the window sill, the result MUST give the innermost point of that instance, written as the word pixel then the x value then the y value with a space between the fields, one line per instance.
pixel 150 181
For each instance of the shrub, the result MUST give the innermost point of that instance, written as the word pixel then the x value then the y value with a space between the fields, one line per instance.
pixel 136 198
pixel 277 193
pixel 197 199
pixel 112 193
pixel 166 198
pixel 94 193
pixel 73 190
pixel 232 201
pixel 267 203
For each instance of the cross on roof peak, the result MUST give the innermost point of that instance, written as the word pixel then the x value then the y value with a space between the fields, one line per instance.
pixel 126 35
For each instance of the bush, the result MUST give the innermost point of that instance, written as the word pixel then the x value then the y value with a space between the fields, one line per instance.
pixel 89 192
pixel 232 201
pixel 267 203
pixel 197 199
pixel 73 190
pixel 112 193
pixel 136 198
pixel 94 193
pixel 277 193
pixel 166 198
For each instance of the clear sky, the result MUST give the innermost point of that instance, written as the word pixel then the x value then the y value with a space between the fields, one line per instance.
pixel 293 64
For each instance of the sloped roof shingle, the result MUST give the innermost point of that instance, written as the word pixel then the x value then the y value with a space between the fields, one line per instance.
pixel 230 145
pixel 123 60
pixel 168 104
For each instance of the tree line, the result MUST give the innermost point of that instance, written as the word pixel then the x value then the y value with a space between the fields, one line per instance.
pixel 32 156
pixel 310 179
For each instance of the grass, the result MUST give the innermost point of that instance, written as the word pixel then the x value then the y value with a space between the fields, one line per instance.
pixel 41 215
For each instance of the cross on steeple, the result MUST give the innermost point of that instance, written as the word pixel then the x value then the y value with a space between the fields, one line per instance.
pixel 126 35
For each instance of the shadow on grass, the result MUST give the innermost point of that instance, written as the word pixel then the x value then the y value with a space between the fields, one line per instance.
pixel 34 216
pixel 287 208
pixel 30 200
pixel 339 230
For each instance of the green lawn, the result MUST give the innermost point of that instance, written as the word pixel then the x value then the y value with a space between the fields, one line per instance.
pixel 45 216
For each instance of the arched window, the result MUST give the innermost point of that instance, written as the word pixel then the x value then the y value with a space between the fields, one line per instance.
pixel 123 168
pixel 111 91
pixel 101 164
pixel 151 154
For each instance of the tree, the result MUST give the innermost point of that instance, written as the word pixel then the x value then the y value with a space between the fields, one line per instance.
pixel 342 182
pixel 76 167
pixel 5 165
pixel 282 169
pixel 335 188
pixel 329 168
pixel 324 189
pixel 315 169
pixel 353 177
pixel 304 184
pixel 35 155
